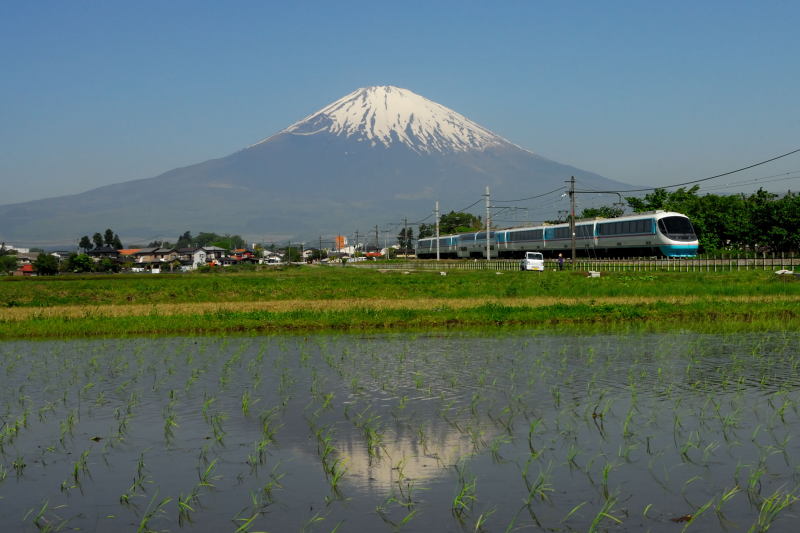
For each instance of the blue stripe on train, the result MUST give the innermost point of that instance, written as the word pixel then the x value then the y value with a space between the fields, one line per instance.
pixel 679 250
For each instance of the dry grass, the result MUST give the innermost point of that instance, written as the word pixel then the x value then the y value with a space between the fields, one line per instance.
pixel 15 314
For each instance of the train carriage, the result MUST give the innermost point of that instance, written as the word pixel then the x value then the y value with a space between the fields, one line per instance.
pixel 663 233
pixel 426 247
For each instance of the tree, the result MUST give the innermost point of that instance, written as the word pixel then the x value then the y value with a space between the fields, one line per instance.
pixel 117 244
pixel 79 263
pixel 458 222
pixel 46 265
pixel 108 237
pixel 604 211
pixel 85 243
pixel 406 239
pixel 292 255
pixel 8 263
pixel 98 240
pixel 107 264
pixel 185 241
pixel 426 230
pixel 229 242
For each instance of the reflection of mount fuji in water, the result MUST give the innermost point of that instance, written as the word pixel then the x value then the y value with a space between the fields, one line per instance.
pixel 374 156
pixel 423 454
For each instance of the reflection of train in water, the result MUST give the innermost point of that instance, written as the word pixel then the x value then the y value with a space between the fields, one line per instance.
pixel 646 234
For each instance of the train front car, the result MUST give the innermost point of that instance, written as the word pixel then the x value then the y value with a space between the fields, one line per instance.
pixel 676 236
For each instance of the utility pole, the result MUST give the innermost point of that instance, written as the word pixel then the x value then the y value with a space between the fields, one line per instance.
pixel 355 248
pixel 377 242
pixel 320 248
pixel 572 216
pixel 405 236
pixel 436 214
pixel 488 225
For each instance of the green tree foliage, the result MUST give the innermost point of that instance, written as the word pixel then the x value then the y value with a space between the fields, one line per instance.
pixel 318 254
pixel 762 221
pixel 185 241
pixel 406 239
pixel 46 265
pixel 107 264
pixel 454 222
pixel 8 263
pixel 97 239
pixel 451 223
pixel 79 263
pixel 108 237
pixel 604 211
pixel 426 230
pixel 292 255
pixel 85 243
pixel 117 244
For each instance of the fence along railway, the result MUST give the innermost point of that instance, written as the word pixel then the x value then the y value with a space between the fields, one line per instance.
pixel 715 263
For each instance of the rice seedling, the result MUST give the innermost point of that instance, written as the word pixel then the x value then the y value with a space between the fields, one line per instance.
pixel 770 508
pixel 466 494
pixel 153 510
pixel 605 513
pixel 206 476
pixel 44 523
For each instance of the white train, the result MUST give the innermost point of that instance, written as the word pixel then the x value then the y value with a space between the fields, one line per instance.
pixel 664 233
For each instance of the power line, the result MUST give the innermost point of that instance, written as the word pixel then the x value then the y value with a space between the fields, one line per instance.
pixel 528 198
pixel 748 167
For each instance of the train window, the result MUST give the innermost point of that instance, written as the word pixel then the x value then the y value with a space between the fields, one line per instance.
pixel 677 228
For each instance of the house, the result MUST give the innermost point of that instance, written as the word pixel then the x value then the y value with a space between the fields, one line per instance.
pixel 151 259
pixel 27 258
pixel 214 253
pixel 242 253
pixel 25 270
pixel 191 258
pixel 61 255
pixel 104 251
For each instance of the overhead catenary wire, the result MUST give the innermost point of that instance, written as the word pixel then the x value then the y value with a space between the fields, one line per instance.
pixel 748 167
pixel 528 198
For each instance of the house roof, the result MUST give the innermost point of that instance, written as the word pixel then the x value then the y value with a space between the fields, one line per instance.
pixel 129 251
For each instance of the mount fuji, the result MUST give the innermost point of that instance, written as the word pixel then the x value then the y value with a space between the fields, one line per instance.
pixel 372 157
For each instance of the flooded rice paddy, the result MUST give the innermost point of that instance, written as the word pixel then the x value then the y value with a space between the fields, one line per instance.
pixel 524 432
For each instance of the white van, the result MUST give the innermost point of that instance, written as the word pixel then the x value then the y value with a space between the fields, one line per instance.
pixel 532 261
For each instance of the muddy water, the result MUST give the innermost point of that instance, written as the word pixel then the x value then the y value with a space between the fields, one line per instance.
pixel 418 433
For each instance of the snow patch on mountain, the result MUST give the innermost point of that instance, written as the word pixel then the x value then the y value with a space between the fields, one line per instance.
pixel 385 115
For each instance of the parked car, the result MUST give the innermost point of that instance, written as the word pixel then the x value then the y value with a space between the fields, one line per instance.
pixel 532 261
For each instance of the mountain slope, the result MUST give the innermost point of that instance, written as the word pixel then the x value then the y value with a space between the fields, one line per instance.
pixel 375 156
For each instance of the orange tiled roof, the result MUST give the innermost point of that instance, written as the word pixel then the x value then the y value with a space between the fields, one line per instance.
pixel 128 251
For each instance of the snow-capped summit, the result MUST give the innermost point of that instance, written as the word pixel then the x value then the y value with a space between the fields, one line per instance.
pixel 384 115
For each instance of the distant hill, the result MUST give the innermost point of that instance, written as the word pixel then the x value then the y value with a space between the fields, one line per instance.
pixel 374 156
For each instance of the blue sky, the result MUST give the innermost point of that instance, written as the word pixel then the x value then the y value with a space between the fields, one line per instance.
pixel 647 93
